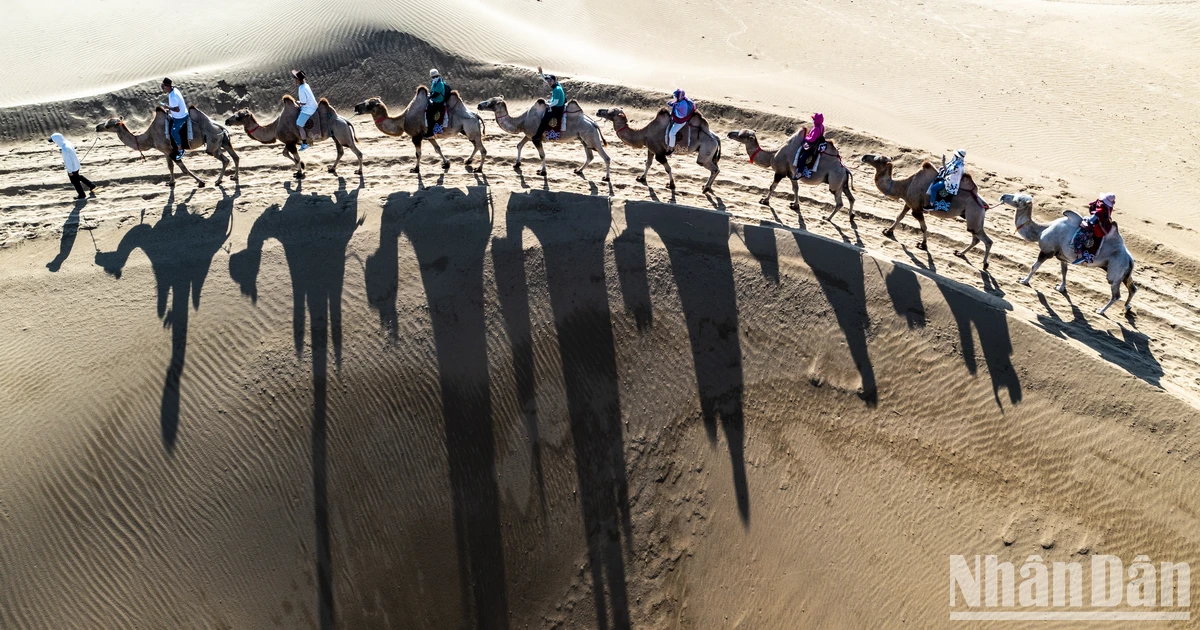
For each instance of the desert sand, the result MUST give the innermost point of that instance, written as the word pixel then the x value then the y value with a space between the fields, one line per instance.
pixel 505 401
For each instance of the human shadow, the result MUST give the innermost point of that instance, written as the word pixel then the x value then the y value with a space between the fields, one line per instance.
pixel 573 244
pixel 970 309
pixel 449 232
pixel 70 230
pixel 697 244
pixel 181 247
pixel 314 231
pixel 838 268
pixel 1131 351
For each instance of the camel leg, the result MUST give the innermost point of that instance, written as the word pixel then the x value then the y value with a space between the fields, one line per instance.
pixel 537 144
pixel 1042 257
pixel 713 169
pixel 357 154
pixel 1116 295
pixel 963 252
pixel 220 155
pixel 171 172
pixel 187 171
pixel 1132 288
pixel 795 205
pixel 649 161
pixel 520 145
pixel 924 244
pixel 607 162
pixel 1062 288
pixel 587 159
pixel 987 248
pixel 837 201
pixel 849 195
pixel 766 201
pixel 438 148
pixel 890 231
pixel 416 167
pixel 482 154
pixel 662 159
pixel 338 159
pixel 236 160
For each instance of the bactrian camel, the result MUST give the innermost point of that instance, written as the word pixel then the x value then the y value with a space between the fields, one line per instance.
pixel 695 137
pixel 411 121
pixel 1056 241
pixel 205 133
pixel 830 169
pixel 326 124
pixel 913 191
pixel 576 127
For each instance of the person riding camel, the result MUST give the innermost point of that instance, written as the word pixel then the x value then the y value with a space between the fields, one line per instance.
pixel 946 185
pixel 805 157
pixel 682 109
pixel 308 106
pixel 558 103
pixel 178 110
pixel 434 114
pixel 1095 227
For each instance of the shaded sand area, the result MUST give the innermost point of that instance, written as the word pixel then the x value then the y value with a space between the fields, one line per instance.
pixel 380 406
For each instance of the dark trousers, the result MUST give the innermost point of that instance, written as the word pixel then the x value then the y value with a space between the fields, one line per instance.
pixel 79 181
pixel 434 115
pixel 551 114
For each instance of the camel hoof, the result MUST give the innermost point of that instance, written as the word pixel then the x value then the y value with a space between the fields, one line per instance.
pixel 517 167
pixel 446 165
pixel 641 180
pixel 358 172
pixel 1100 311
pixel 960 255
pixel 605 179
pixel 542 172
pixel 1062 288
pixel 478 169
pixel 985 266
pixel 795 206
pixel 200 184
pixel 415 169
pixel 922 246
pixel 706 191
pixel 332 170
pixel 888 233
pixel 1023 281
pixel 764 202
pixel 671 185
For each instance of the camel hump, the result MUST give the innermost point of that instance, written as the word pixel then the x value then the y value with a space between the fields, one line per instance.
pixel 324 107
pixel 573 107
pixel 1073 216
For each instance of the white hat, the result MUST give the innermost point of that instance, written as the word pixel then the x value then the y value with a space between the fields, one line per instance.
pixel 433 74
pixel 1109 199
pixel 961 153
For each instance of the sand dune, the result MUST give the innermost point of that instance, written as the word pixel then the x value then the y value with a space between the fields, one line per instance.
pixel 500 400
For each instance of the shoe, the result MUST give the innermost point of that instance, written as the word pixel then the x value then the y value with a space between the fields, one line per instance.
pixel 179 156
pixel 80 197
pixel 303 146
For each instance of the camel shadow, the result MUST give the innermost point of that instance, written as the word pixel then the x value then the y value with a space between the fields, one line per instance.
pixel 314 232
pixel 70 230
pixel 181 247
pixel 839 272
pixel 989 322
pixel 449 233
pixel 1131 351
pixel 760 242
pixel 574 245
pixel 697 243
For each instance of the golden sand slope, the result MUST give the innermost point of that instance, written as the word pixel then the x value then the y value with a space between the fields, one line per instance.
pixel 499 406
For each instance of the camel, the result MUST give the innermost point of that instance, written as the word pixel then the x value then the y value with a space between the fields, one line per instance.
pixel 411 121
pixel 326 123
pixel 205 133
pixel 576 127
pixel 912 190
pixel 1055 241
pixel 694 138
pixel 830 169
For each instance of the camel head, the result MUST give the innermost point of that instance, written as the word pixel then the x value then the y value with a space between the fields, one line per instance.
pixel 109 125
pixel 491 104
pixel 1020 202
pixel 743 136
pixel 880 162
pixel 368 106
pixel 615 114
pixel 240 117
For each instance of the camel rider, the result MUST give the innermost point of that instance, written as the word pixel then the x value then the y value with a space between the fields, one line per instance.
pixel 438 93
pixel 682 109
pixel 946 184
pixel 308 106
pixel 178 110
pixel 558 103
pixel 1096 226
pixel 808 150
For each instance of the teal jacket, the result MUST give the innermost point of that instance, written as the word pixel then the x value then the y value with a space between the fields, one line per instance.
pixel 558 97
pixel 437 92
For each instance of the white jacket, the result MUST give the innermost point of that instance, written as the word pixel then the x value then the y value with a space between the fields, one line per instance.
pixel 70 158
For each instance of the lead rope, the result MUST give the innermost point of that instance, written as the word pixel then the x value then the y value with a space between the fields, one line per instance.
pixel 90 149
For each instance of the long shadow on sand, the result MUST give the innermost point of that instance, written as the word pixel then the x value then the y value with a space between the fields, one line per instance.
pixel 449 232
pixel 698 245
pixel 1130 352
pixel 314 231
pixel 969 311
pixel 181 247
pixel 573 243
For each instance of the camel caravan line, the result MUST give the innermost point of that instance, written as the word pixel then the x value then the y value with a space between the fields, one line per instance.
pixel 567 123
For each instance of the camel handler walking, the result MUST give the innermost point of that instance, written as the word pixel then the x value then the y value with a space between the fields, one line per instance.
pixel 682 108
pixel 178 109
pixel 308 106
pixel 558 102
pixel 71 162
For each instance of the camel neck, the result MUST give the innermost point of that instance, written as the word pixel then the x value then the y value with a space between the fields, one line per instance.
pixel 887 185
pixel 265 135
pixel 758 155
pixel 633 137
pixel 506 122
pixel 138 142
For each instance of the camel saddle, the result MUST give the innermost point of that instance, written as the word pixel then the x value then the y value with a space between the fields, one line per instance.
pixel 558 124
pixel 320 124
pixel 1086 244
